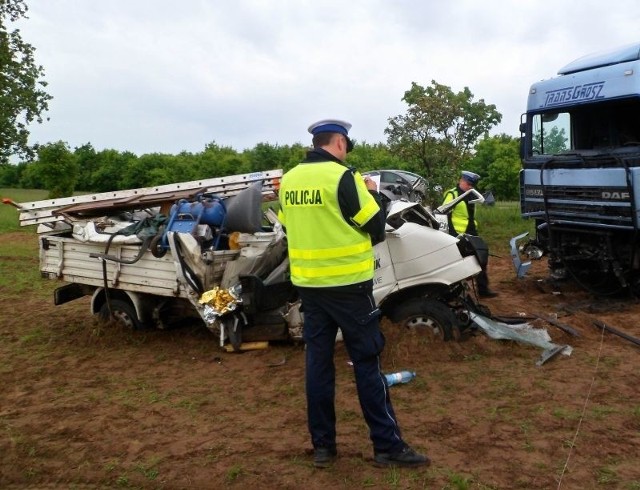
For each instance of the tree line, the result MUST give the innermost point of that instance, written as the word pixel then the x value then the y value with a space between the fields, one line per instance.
pixel 63 171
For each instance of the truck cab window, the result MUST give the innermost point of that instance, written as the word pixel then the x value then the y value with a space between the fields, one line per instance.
pixel 551 133
pixel 606 125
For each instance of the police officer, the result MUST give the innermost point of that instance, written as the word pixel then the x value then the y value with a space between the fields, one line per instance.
pixel 462 220
pixel 333 218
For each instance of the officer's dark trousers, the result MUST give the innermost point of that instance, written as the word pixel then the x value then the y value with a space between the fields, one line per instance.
pixel 353 309
pixel 482 280
pixel 482 249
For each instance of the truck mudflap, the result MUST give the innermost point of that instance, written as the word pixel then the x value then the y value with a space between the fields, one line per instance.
pixel 69 292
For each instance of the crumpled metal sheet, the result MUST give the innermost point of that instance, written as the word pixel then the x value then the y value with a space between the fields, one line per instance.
pixel 522 332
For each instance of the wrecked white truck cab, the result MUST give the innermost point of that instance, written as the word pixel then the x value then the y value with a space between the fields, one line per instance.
pixel 213 249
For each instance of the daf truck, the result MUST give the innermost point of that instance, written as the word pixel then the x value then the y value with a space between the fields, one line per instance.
pixel 580 177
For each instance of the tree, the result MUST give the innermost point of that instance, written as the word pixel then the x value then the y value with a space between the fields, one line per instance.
pixel 22 96
pixel 374 157
pixel 110 168
pixel 87 166
pixel 268 157
pixel 57 167
pixel 9 175
pixel 218 161
pixel 439 130
pixel 497 160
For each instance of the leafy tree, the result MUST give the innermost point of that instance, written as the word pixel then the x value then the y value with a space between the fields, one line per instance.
pixel 439 130
pixel 9 175
pixel 87 166
pixel 149 169
pixel 268 157
pixel 172 169
pixel 57 167
pixel 218 161
pixel 22 96
pixel 497 160
pixel 110 168
pixel 374 157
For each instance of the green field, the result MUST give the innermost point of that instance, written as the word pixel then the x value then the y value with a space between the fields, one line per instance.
pixel 499 223
pixel 9 214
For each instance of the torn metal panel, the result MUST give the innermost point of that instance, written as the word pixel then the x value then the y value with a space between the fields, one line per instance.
pixel 521 267
pixel 523 332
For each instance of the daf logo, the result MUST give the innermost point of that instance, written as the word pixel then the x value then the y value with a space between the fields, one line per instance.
pixel 619 196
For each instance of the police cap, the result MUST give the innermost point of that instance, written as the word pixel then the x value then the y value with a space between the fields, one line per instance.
pixel 470 177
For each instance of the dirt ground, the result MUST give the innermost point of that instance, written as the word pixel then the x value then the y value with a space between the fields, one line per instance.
pixel 84 405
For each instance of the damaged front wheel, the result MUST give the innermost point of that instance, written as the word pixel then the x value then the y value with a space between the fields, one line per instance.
pixel 428 316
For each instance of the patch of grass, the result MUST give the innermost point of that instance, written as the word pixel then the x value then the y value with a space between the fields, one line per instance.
pixel 234 473
pixel 148 469
pixel 610 361
pixel 607 476
pixel 289 389
pixel 368 482
pixel 503 388
pixel 566 414
pixel 9 217
pixel 459 482
pixel 500 223
pixel 474 357
pixel 392 478
pixel 122 481
pixel 346 415
pixel 34 336
pixel 111 465
pixel 525 427
pixel 501 412
pixel 600 412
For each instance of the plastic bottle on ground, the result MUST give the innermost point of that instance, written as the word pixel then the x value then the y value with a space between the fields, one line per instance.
pixel 399 377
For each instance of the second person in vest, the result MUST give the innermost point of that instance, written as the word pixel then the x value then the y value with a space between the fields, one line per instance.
pixel 463 220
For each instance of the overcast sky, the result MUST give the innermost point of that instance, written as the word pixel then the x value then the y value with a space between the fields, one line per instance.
pixel 166 76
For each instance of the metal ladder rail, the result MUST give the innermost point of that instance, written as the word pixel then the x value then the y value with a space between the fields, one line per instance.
pixel 44 212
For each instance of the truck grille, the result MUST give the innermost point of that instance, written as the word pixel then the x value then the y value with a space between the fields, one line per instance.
pixel 581 205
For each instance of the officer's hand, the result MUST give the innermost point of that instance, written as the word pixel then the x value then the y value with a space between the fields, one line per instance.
pixel 371 185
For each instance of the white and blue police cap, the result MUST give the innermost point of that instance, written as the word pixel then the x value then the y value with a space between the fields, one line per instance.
pixel 330 126
pixel 333 126
pixel 470 177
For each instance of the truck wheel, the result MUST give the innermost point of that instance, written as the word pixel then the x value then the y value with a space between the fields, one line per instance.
pixel 426 315
pixel 124 313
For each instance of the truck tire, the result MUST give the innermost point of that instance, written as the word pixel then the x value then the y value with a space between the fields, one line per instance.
pixel 426 315
pixel 124 313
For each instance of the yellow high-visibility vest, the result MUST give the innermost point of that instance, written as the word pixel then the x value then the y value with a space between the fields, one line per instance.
pixel 459 214
pixel 324 249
